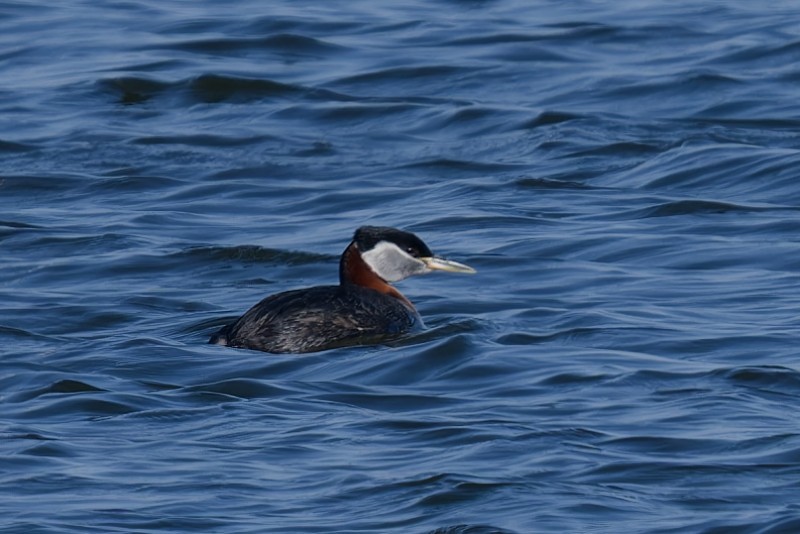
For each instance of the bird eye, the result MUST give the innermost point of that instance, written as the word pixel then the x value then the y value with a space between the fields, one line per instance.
pixel 412 251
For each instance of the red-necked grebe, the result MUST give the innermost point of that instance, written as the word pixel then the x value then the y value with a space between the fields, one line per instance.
pixel 364 308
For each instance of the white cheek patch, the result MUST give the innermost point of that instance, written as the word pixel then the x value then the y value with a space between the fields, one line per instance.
pixel 391 263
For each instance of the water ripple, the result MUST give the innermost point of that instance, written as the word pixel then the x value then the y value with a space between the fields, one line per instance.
pixel 290 43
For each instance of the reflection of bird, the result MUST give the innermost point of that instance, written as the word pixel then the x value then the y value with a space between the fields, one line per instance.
pixel 363 308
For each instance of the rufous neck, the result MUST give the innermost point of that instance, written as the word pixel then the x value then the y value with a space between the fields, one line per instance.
pixel 354 270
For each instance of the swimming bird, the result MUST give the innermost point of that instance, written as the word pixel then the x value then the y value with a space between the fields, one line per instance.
pixel 363 309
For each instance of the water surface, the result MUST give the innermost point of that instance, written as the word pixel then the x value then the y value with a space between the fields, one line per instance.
pixel 622 175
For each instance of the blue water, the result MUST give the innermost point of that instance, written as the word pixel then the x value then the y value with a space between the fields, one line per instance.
pixel 625 176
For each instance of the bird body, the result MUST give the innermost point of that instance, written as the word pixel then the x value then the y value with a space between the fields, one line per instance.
pixel 363 309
